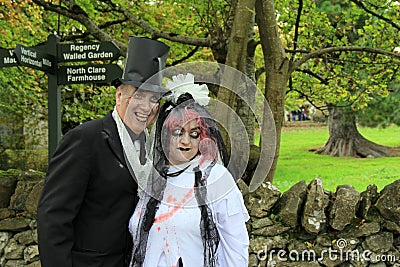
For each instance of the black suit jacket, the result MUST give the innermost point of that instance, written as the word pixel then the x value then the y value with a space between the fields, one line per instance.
pixel 87 200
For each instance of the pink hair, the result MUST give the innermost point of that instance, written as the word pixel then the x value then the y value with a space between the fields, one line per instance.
pixel 178 117
pixel 208 148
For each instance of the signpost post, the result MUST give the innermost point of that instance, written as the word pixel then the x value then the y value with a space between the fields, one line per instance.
pixel 47 58
pixel 54 100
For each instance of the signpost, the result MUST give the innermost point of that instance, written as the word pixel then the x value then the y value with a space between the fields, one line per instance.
pixel 99 73
pixel 87 51
pixel 7 58
pixel 47 58
pixel 35 59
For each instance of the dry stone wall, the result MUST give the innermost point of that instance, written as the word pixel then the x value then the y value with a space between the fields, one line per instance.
pixel 308 225
pixel 304 226
pixel 18 202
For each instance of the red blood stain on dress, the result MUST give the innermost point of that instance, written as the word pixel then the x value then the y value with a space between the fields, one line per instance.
pixel 177 206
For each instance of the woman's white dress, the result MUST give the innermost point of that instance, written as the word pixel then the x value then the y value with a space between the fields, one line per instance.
pixel 176 230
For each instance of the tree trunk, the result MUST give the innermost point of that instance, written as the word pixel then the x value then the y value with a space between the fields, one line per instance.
pixel 277 73
pixel 236 58
pixel 346 141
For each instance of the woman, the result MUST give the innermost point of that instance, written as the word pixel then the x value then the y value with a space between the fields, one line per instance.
pixel 192 214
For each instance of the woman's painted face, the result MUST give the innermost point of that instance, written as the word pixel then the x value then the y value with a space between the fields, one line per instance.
pixel 184 143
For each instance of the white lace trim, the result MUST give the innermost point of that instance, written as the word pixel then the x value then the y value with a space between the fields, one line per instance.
pixel 131 153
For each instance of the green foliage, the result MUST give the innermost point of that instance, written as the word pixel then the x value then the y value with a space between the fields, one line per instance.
pixel 344 78
pixel 85 102
pixel 382 111
pixel 23 91
pixel 26 22
pixel 11 173
pixel 24 159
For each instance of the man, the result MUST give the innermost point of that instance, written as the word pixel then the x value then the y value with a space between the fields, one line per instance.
pixel 90 189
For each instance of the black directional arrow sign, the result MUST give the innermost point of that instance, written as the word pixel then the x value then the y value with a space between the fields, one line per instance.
pixel 89 51
pixel 99 73
pixel 35 59
pixel 7 58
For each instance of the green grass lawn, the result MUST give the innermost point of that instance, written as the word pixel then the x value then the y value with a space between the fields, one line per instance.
pixel 296 163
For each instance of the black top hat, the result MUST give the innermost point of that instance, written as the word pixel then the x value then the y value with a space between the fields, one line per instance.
pixel 145 60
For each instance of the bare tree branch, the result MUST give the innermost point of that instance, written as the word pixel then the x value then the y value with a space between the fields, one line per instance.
pixel 75 12
pixel 387 20
pixel 298 19
pixel 82 18
pixel 321 108
pixel 155 33
pixel 191 53
pixel 315 75
pixel 328 50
